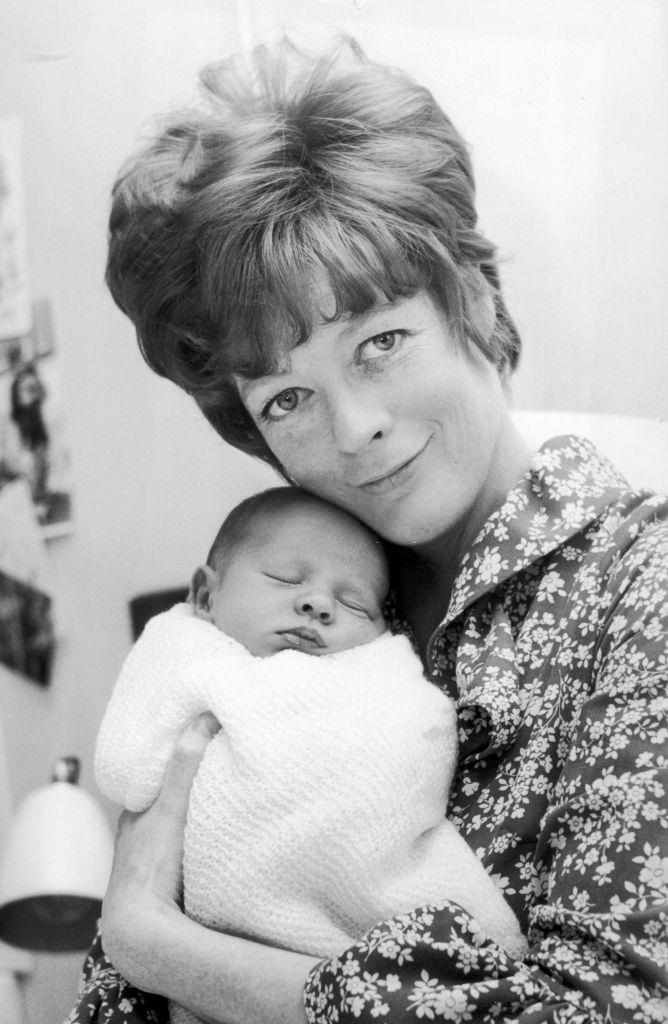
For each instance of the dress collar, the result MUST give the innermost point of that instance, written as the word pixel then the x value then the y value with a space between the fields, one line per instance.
pixel 568 485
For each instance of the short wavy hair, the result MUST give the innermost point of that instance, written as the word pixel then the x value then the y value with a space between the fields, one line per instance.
pixel 288 166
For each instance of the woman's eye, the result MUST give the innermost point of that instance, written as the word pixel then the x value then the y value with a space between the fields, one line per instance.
pixel 282 404
pixel 379 345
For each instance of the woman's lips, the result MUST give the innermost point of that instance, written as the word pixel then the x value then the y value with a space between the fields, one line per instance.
pixel 393 477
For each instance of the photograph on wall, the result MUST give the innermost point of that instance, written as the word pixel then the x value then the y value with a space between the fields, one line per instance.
pixel 33 442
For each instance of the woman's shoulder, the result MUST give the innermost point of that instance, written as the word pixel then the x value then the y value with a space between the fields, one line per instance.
pixel 633 529
pixel 631 540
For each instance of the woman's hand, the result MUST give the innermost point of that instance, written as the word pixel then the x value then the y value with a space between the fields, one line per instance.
pixel 220 978
pixel 145 888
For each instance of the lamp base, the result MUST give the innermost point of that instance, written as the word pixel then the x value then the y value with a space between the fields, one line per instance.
pixel 50 923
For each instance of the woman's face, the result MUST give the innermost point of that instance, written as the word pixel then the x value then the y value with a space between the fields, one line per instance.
pixel 386 415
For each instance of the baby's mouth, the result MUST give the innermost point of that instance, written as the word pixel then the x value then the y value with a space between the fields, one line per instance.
pixel 302 638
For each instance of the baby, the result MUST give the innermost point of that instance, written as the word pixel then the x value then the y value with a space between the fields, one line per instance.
pixel 319 808
pixel 288 571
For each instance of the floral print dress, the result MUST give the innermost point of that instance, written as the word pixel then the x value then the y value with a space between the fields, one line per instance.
pixel 555 648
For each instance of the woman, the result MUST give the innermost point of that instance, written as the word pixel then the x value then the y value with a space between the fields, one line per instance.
pixel 300 253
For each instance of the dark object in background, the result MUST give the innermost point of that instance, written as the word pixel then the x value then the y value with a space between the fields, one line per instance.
pixel 145 606
pixel 27 640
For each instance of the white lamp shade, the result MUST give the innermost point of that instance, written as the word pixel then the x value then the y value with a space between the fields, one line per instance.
pixel 55 870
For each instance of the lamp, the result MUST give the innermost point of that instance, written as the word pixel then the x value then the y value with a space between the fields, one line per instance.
pixel 56 866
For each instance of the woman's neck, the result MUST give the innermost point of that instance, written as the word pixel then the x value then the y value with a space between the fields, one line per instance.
pixel 509 461
pixel 423 594
pixel 424 575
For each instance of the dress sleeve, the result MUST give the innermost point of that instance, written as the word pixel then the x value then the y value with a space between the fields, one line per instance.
pixel 104 997
pixel 597 923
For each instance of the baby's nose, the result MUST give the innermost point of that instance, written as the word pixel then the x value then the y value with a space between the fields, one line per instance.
pixel 318 606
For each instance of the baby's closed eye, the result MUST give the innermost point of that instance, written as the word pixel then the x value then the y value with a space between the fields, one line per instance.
pixel 357 606
pixel 283 577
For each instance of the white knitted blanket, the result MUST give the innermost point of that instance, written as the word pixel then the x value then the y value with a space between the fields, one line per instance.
pixel 319 808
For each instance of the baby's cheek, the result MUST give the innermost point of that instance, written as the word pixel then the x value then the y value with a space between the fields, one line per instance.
pixel 372 629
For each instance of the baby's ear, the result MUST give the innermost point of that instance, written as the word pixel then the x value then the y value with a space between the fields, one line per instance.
pixel 202 587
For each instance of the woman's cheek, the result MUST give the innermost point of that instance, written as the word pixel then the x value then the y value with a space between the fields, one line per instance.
pixel 297 449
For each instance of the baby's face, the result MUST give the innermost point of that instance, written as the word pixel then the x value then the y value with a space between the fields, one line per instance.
pixel 311 581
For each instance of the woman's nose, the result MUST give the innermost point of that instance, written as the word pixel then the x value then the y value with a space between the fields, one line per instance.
pixel 357 419
pixel 318 606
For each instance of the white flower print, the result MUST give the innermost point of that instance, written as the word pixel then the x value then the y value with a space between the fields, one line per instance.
pixel 490 565
pixel 627 996
pixel 654 872
pixel 552 586
pixel 430 1000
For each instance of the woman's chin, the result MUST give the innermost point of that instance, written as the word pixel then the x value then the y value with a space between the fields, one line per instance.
pixel 411 532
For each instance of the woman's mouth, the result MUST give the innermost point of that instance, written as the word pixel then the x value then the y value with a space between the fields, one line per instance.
pixel 394 477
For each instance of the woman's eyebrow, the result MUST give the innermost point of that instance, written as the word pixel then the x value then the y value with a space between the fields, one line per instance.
pixel 246 384
pixel 356 321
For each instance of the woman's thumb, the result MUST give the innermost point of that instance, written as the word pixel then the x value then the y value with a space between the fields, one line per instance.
pixel 185 762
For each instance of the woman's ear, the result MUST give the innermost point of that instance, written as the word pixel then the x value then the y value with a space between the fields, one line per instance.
pixel 202 588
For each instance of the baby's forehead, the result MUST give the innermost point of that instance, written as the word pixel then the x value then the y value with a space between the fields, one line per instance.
pixel 314 530
pixel 308 517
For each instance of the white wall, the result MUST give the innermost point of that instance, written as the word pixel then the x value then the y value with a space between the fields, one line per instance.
pixel 564 104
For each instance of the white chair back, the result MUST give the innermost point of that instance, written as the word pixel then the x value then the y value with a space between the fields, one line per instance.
pixel 637 446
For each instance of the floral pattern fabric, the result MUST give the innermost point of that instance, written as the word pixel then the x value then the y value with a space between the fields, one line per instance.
pixel 555 647
pixel 107 998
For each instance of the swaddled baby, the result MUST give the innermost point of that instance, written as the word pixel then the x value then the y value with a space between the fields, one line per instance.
pixel 319 808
